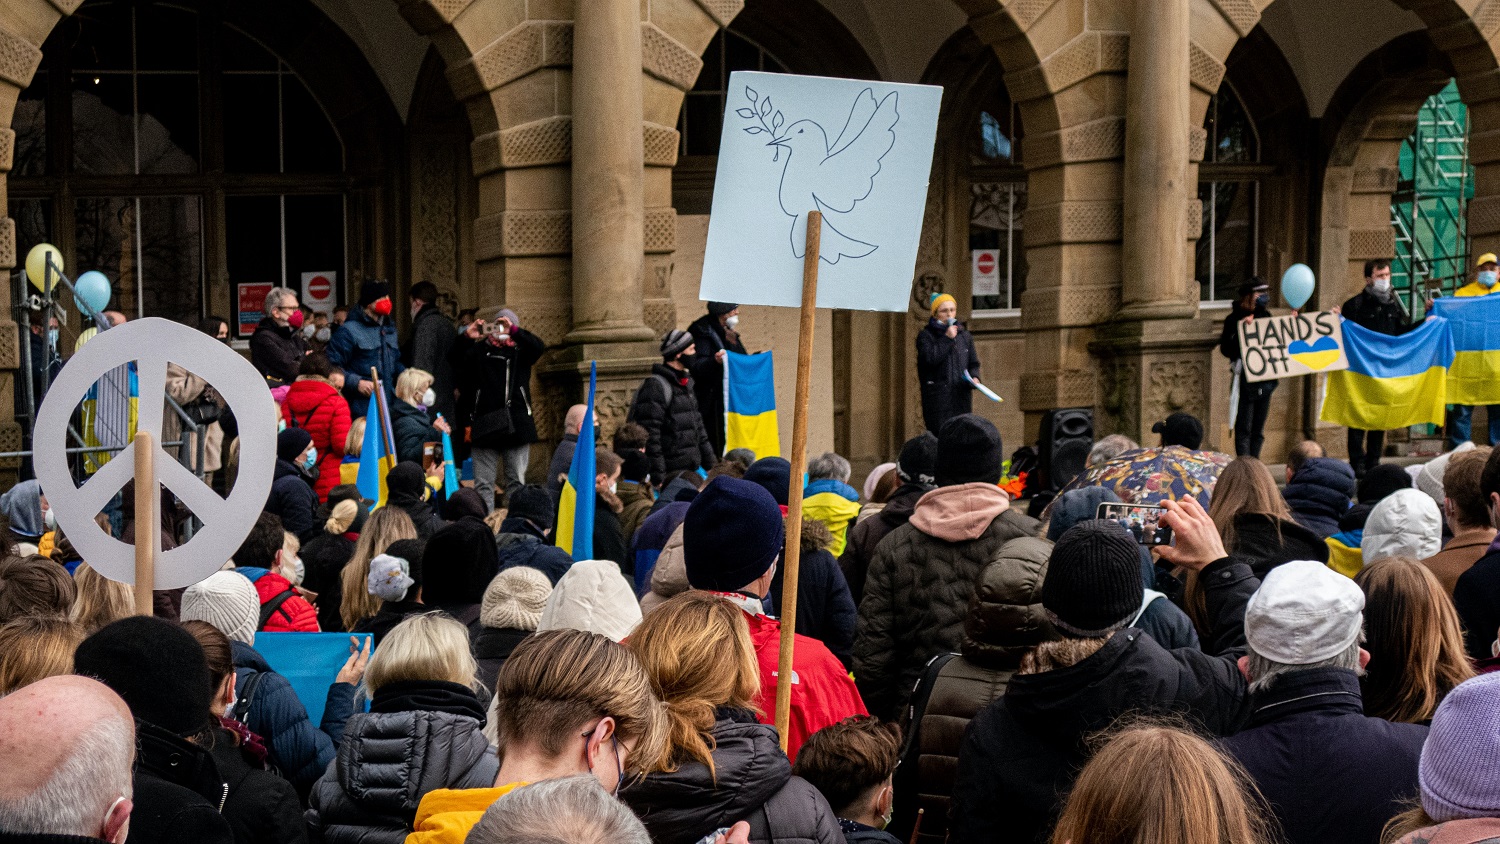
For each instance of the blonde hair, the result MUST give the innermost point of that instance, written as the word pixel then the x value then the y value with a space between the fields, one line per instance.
pixel 430 646
pixel 1154 784
pixel 341 517
pixel 1414 638
pixel 696 648
pixel 35 647
pixel 557 683
pixel 99 600
pixel 355 442
pixel 412 383
pixel 386 525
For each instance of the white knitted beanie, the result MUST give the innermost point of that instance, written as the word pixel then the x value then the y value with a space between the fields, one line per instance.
pixel 592 596
pixel 228 601
pixel 514 599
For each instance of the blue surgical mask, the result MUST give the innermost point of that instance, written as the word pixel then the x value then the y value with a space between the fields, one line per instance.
pixel 1488 277
pixel 1263 300
pixel 52 332
pixel 312 457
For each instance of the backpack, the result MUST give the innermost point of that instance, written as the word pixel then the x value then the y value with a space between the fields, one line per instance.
pixel 635 401
pixel 270 607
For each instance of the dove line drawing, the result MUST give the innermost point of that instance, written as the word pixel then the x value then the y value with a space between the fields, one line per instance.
pixel 834 177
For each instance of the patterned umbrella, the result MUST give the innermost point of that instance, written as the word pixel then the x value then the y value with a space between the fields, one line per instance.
pixel 1151 475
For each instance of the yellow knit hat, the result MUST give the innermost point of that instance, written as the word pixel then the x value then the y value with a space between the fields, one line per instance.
pixel 937 300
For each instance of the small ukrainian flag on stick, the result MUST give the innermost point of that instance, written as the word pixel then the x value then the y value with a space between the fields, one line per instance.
pixel 575 511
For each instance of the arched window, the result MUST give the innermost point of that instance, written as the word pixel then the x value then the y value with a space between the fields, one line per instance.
pixel 182 158
pixel 1229 191
pixel 997 204
pixel 702 115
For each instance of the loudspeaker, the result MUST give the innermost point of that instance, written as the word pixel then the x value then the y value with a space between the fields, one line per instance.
pixel 1067 437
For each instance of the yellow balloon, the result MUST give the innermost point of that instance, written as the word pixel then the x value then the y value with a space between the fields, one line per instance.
pixel 36 266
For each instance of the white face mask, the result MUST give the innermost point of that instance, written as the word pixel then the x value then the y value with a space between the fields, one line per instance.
pixel 49 519
pixel 1488 277
pixel 429 398
pixel 322 334
pixel 732 322
pixel 613 488
pixel 1382 284
pixel 309 330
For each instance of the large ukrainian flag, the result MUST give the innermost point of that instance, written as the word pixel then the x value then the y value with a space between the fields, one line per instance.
pixel 1391 382
pixel 750 404
pixel 1474 377
pixel 575 510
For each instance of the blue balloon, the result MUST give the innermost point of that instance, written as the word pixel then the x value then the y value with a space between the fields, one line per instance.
pixel 92 288
pixel 1297 285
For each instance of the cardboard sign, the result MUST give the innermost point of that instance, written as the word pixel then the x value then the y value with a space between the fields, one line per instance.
pixel 859 152
pixel 153 343
pixel 250 298
pixel 1291 345
pixel 318 291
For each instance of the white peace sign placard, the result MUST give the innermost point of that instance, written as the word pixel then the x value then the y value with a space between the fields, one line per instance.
pixel 151 344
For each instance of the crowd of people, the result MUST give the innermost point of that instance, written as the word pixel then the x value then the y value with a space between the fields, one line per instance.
pixel 1310 658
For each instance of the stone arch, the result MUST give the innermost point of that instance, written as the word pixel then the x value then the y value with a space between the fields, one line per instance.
pixel 1372 113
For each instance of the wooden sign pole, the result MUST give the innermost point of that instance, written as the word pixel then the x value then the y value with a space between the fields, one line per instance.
pixel 147 522
pixel 793 557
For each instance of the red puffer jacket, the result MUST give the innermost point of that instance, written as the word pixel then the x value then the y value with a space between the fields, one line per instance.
pixel 315 405
pixel 295 615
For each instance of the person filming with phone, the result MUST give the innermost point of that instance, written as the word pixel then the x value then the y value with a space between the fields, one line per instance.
pixel 492 363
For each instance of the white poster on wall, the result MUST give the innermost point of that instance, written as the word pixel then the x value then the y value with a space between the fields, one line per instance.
pixel 860 152
pixel 986 274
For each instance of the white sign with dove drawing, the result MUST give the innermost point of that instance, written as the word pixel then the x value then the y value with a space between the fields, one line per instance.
pixel 860 152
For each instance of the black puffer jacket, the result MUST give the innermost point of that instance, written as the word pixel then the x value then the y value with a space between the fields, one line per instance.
pixel 300 749
pixel 1005 620
pixel 497 379
pixel 492 647
pixel 293 501
pixel 519 545
pixel 1265 542
pixel 276 351
pixel 1021 754
pixel 752 781
pixel 418 737
pixel 678 439
pixel 1320 493
pixel 708 374
pixel 920 585
pixel 179 795
pixel 866 534
pixel 325 558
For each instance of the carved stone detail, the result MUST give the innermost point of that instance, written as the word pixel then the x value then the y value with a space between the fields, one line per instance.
pixel 529 47
pixel 1118 408
pixel 10 440
pixel 1074 222
pixel 1058 307
pixel 1096 140
pixel 485 152
pixel 7 149
pixel 1026 12
pixel 7 243
pixel 18 58
pixel 722 11
pixel 665 58
pixel 541 142
pixel 435 216
pixel 428 15
pixel 1176 385
pixel 10 344
pixel 1205 71
pixel 1087 54
pixel 1487 19
pixel 661 144
pixel 1042 391
pixel 1241 14
pixel 661 315
pixel 1372 243
pixel 517 233
pixel 1197 143
pixel 1484 215
pixel 661 230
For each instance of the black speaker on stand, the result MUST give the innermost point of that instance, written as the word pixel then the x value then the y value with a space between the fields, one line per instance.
pixel 1067 437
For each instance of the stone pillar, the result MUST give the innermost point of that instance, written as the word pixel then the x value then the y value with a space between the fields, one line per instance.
pixel 608 174
pixel 1154 243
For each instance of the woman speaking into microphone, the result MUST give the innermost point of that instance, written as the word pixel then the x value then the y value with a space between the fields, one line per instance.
pixel 945 356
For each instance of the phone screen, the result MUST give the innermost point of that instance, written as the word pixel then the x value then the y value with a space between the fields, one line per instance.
pixel 1143 521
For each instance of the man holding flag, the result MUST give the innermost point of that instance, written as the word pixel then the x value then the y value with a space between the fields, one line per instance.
pixel 1378 309
pixel 1460 416
pixel 714 334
